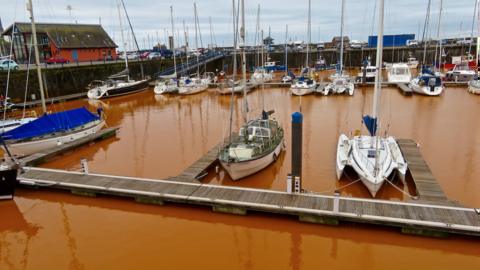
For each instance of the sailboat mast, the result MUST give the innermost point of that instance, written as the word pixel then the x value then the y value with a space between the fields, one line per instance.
pixel 123 38
pixel 309 35
pixel 438 37
pixel 173 42
pixel 37 56
pixel 234 68
pixel 263 73
pixel 286 50
pixel 473 25
pixel 377 89
pixel 196 36
pixel 425 32
pixel 341 36
pixel 244 60
pixel 378 86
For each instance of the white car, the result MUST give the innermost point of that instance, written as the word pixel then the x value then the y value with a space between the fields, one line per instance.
pixel 412 43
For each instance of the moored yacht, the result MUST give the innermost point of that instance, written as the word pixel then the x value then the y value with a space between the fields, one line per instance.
pixel 399 73
pixel 374 158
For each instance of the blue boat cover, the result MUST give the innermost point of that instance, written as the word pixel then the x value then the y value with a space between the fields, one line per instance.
pixel 50 123
pixel 371 124
pixel 290 73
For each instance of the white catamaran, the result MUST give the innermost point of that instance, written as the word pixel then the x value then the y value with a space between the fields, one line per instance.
pixel 374 158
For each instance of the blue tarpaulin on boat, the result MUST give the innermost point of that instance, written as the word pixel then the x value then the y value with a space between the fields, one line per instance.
pixel 290 73
pixel 50 123
pixel 371 124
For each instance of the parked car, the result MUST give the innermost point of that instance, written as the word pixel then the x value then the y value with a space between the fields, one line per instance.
pixel 356 44
pixel 154 55
pixel 7 64
pixel 412 43
pixel 144 55
pixel 57 60
pixel 465 41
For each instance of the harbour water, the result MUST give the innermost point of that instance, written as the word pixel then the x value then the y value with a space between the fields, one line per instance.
pixel 162 135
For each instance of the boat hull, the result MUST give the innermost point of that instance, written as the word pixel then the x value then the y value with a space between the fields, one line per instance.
pixel 425 90
pixel 98 93
pixel 474 88
pixel 301 91
pixel 354 153
pixel 191 90
pixel 30 147
pixel 239 170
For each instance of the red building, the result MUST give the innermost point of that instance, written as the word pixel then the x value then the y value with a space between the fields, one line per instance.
pixel 74 42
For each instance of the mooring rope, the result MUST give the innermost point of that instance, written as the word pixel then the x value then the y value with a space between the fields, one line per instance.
pixel 402 191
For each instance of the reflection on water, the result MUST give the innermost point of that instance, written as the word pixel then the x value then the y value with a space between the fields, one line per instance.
pixel 106 233
pixel 162 135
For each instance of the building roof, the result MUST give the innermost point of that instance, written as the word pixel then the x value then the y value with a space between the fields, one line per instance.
pixel 339 39
pixel 66 36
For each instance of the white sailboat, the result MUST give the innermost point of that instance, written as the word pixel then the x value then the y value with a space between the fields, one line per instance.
pixel 259 141
pixel 374 158
pixel 195 84
pixel 287 77
pixel 429 82
pixel 7 124
pixel 118 84
pixel 305 84
pixel 54 129
pixel 341 81
pixel 169 83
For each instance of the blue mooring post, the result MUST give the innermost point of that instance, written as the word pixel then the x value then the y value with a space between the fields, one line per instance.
pixel 297 133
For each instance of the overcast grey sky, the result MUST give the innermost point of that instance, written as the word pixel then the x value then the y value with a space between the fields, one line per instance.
pixel 150 18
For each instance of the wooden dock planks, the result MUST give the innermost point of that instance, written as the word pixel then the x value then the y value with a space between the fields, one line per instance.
pixel 427 186
pixel 309 207
pixel 195 171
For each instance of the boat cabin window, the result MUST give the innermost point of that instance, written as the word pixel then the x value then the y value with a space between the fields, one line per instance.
pixel 258 132
pixel 372 153
pixel 400 71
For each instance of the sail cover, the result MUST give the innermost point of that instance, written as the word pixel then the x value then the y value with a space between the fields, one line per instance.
pixel 371 124
pixel 121 74
pixel 50 123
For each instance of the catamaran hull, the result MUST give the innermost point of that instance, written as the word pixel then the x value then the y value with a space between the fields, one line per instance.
pixel 333 88
pixel 425 90
pixel 239 170
pixel 35 146
pixel 349 155
pixel 97 93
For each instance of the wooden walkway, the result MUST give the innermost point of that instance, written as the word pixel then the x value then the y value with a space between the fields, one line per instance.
pixel 199 168
pixel 428 189
pixel 41 157
pixel 33 103
pixel 405 89
pixel 414 218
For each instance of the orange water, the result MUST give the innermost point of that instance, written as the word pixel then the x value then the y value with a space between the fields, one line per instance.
pixel 161 136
